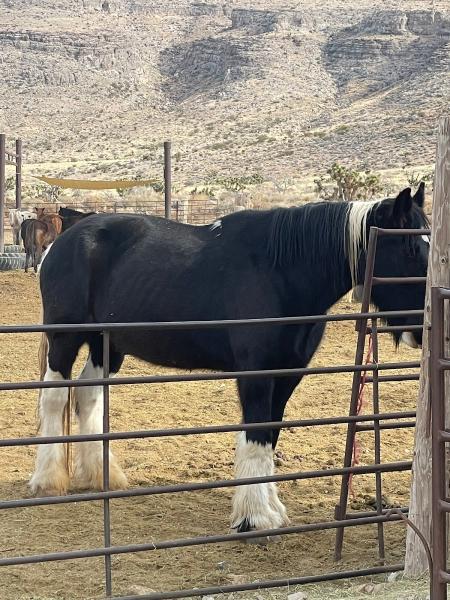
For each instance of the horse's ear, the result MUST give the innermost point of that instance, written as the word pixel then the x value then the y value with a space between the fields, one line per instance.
pixel 419 196
pixel 402 205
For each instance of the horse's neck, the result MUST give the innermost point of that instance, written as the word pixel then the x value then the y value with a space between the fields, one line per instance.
pixel 319 287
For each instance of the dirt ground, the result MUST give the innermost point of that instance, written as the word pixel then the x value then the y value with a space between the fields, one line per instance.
pixel 173 460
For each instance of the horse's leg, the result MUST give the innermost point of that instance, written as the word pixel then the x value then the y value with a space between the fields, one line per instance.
pixel 27 259
pixel 89 409
pixel 51 474
pixel 37 257
pixel 284 386
pixel 253 505
pixel 33 256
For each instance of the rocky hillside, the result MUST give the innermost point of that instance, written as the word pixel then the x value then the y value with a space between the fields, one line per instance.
pixel 283 89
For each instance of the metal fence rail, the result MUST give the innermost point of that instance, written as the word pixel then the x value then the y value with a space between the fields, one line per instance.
pixel 439 364
pixel 371 421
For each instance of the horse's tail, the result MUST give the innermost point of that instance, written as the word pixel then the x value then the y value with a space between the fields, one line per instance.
pixel 66 417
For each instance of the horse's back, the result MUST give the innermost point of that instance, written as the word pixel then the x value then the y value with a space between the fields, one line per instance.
pixel 105 256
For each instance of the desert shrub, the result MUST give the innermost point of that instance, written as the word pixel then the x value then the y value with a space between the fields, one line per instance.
pixel 414 178
pixel 343 183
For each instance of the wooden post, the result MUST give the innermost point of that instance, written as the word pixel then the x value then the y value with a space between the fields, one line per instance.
pixel 438 275
pixel 2 190
pixel 167 180
pixel 18 174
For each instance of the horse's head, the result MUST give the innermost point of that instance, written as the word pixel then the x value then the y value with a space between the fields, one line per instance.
pixel 39 211
pixel 401 256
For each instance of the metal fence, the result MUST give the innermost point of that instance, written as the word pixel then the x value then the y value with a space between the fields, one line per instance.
pixel 439 365
pixel 196 211
pixel 373 330
pixel 108 550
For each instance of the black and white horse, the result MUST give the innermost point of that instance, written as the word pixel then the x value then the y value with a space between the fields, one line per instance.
pixel 282 262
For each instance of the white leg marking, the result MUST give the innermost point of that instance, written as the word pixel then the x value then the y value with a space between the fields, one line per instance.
pixel 89 455
pixel 257 504
pixel 408 339
pixel 51 476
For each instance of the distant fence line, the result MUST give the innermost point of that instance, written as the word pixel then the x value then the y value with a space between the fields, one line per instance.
pixel 195 211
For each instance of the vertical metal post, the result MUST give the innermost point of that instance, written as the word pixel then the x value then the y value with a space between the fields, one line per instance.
pixel 341 508
pixel 167 179
pixel 377 439
pixel 106 507
pixel 437 381
pixel 18 175
pixel 2 190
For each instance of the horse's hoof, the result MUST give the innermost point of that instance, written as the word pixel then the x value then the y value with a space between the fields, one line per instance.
pixel 41 493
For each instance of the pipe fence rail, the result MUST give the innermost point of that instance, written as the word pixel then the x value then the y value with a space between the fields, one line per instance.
pixel 439 365
pixel 371 422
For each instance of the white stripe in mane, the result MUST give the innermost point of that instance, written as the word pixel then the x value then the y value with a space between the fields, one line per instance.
pixel 357 233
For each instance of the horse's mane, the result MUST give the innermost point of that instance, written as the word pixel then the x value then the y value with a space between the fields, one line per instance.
pixel 334 232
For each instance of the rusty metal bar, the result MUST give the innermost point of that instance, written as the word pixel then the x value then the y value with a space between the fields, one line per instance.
pixel 377 440
pixel 214 324
pixel 204 485
pixel 3 162
pixel 361 514
pixel 167 179
pixel 271 583
pixel 444 293
pixel 361 326
pixel 394 425
pixel 18 178
pixel 386 232
pixel 437 386
pixel 391 378
pixel 219 376
pixel 106 507
pixel 444 435
pixel 402 280
pixel 154 433
pixel 196 541
pixel 393 328
pixel 444 505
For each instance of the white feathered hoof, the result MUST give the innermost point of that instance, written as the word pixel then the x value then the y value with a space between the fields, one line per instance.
pixel 49 480
pixel 257 507
pixel 89 473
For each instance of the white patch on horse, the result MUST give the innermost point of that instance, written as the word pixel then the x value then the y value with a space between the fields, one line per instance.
pixel 408 339
pixel 426 238
pixel 51 476
pixel 44 254
pixel 357 234
pixel 216 225
pixel 258 503
pixel 89 455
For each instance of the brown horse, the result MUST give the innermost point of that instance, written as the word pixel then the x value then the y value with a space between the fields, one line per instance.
pixel 53 218
pixel 37 236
